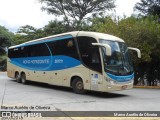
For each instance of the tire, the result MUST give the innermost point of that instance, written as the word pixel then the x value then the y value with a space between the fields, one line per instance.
pixel 78 86
pixel 23 78
pixel 17 77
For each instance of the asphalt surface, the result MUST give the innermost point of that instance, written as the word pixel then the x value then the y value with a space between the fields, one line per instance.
pixel 64 99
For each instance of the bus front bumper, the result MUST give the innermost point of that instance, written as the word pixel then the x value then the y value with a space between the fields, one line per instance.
pixel 117 87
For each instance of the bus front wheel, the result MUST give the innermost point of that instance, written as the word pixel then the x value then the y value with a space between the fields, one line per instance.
pixel 78 86
pixel 23 78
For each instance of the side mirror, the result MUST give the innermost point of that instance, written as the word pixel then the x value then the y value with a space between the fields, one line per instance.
pixel 137 50
pixel 106 46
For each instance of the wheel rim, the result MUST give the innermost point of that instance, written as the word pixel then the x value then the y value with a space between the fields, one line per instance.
pixel 79 85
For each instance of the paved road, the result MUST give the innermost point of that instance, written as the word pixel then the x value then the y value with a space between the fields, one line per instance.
pixel 63 99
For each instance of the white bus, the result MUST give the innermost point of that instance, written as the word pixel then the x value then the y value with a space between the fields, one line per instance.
pixel 81 60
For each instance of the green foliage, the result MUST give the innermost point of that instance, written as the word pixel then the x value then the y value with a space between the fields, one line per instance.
pixel 148 7
pixel 2 58
pixel 54 27
pixel 19 38
pixel 5 37
pixel 27 33
pixel 3 63
pixel 75 12
pixel 105 25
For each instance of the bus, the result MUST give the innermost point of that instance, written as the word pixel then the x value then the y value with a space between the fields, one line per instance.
pixel 81 60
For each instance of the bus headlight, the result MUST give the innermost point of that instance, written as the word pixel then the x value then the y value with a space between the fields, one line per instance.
pixel 132 81
pixel 110 81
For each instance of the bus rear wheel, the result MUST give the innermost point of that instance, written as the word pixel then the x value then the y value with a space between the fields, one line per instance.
pixel 18 79
pixel 23 78
pixel 78 86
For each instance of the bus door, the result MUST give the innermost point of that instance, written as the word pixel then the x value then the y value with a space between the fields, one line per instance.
pixel 96 69
pixel 90 56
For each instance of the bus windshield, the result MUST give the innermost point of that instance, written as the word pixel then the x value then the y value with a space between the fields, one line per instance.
pixel 119 63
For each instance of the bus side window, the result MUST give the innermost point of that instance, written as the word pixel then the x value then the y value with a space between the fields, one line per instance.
pixel 17 52
pixel 89 54
pixel 64 47
pixel 38 50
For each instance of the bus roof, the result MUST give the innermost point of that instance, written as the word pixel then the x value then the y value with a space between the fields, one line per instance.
pixel 96 35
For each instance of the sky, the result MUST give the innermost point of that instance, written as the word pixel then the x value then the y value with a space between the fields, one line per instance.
pixel 16 13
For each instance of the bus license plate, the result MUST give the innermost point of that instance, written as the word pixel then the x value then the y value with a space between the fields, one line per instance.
pixel 124 87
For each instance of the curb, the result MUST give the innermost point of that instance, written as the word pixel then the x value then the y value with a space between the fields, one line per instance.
pixel 150 87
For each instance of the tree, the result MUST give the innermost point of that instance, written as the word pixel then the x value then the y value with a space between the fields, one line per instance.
pixel 76 11
pixel 6 39
pixel 27 33
pixel 148 7
pixel 54 27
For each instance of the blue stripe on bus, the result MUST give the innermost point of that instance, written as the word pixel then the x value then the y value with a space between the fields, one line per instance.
pixel 46 40
pixel 121 78
pixel 46 63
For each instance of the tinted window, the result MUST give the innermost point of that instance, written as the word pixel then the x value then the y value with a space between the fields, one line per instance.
pixel 17 52
pixel 65 47
pixel 38 50
pixel 29 51
pixel 13 53
pixel 89 53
